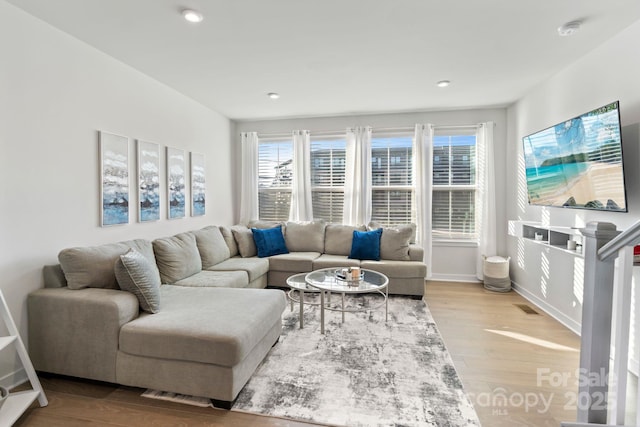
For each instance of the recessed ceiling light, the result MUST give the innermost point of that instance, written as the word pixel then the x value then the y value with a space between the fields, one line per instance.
pixel 570 28
pixel 192 15
pixel 443 83
pixel 273 95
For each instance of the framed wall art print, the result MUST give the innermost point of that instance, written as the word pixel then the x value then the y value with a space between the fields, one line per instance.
pixel 114 179
pixel 175 183
pixel 148 181
pixel 198 184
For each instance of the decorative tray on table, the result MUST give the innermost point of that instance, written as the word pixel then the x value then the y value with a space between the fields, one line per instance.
pixel 347 275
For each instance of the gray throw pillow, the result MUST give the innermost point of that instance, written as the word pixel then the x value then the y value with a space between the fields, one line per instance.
pixel 244 239
pixel 394 243
pixel 374 225
pixel 137 275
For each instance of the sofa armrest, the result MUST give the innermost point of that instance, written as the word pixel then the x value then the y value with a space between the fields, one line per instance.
pixel 416 253
pixel 76 332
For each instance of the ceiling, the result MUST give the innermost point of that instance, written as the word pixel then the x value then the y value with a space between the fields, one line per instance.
pixel 336 57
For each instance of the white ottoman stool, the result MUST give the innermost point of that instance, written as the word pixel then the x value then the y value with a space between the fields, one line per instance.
pixel 496 274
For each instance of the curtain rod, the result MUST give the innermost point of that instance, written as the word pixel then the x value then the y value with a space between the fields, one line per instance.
pixel 474 125
pixel 331 132
pixel 390 129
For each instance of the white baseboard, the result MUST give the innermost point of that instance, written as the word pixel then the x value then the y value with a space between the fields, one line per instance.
pixel 549 309
pixel 13 379
pixel 454 277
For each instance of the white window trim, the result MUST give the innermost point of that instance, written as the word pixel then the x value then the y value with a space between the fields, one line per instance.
pixel 455 243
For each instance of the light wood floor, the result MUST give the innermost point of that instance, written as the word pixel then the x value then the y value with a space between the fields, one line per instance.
pixel 497 349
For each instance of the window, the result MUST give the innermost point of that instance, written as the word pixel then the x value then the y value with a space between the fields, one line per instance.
pixel 454 185
pixel 392 187
pixel 327 177
pixel 275 172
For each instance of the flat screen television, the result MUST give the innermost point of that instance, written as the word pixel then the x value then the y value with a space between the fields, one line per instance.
pixel 578 163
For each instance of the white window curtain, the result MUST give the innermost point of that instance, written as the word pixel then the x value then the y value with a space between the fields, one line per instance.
pixel 301 202
pixel 249 179
pixel 485 196
pixel 423 172
pixel 357 182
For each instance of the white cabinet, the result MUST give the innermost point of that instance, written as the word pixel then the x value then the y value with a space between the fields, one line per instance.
pixel 18 402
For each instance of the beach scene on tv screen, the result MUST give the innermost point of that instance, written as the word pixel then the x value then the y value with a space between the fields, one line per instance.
pixel 577 163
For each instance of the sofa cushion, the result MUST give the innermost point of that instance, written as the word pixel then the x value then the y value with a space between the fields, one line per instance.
pixel 305 236
pixel 373 225
pixel 397 269
pixel 244 240
pixel 328 261
pixel 137 275
pixel 177 257
pixel 257 223
pixel 255 267
pixel 216 279
pixel 366 244
pixel 93 266
pixel 207 325
pixel 394 243
pixel 296 262
pixel 229 240
pixel 269 241
pixel 211 245
pixel 338 238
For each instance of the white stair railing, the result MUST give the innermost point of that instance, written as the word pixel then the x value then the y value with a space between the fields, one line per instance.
pixel 603 243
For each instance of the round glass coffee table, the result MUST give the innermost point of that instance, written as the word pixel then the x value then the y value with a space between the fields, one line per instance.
pixel 327 282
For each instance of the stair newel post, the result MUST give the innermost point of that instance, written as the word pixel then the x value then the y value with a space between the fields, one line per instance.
pixel 596 324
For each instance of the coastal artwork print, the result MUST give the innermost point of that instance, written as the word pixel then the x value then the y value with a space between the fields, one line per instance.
pixel 148 181
pixel 578 163
pixel 175 183
pixel 198 187
pixel 114 179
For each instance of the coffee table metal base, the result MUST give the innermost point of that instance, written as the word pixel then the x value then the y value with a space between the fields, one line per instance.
pixel 301 302
pixel 328 281
pixel 298 284
pixel 344 310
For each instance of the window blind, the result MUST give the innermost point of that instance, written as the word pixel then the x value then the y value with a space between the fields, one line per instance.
pixel 392 198
pixel 275 174
pixel 327 177
pixel 454 187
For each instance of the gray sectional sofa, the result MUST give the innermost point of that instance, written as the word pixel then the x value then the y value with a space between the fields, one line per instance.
pixel 315 245
pixel 199 319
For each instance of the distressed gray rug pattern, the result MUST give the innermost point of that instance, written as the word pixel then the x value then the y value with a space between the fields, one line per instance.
pixel 364 372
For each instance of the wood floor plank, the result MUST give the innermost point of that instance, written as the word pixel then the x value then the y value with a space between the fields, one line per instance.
pixel 506 352
pixel 473 323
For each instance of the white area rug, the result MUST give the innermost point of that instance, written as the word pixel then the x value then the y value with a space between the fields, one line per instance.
pixel 364 372
pixel 361 373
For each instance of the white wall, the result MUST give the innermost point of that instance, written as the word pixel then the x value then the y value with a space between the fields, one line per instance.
pixel 609 73
pixel 55 94
pixel 454 263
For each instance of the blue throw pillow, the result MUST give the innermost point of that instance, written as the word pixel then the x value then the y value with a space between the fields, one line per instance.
pixel 269 241
pixel 366 245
